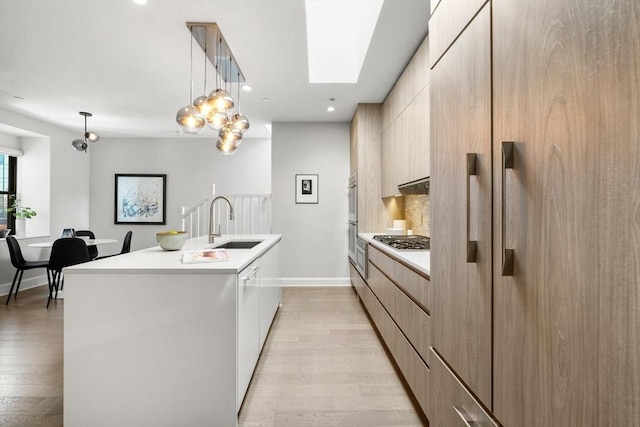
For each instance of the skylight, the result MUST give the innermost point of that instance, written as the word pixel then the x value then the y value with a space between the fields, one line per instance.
pixel 338 37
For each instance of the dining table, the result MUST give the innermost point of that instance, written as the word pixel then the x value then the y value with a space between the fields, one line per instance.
pixel 90 242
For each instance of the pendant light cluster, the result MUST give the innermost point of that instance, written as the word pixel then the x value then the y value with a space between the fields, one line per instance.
pixel 83 144
pixel 216 109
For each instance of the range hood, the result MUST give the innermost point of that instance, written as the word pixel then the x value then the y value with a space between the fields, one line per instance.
pixel 420 186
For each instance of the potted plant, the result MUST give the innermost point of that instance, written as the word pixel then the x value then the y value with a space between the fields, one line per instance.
pixel 21 213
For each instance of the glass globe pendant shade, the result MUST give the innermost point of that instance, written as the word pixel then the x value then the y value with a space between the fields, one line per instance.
pixel 218 120
pixel 190 120
pixel 226 149
pixel 221 101
pixel 229 135
pixel 91 136
pixel 203 106
pixel 79 145
pixel 240 122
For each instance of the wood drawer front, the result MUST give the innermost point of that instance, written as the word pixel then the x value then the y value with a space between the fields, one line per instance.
pixel 384 289
pixel 380 318
pixel 450 401
pixel 356 280
pixel 415 285
pixel 447 22
pixel 414 370
pixel 415 324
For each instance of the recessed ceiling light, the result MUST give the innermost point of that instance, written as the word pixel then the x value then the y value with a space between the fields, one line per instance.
pixel 247 88
pixel 331 108
pixel 266 99
pixel 140 1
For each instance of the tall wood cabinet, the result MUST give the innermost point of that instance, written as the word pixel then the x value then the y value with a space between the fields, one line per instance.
pixel 460 201
pixel 567 322
pixel 365 148
pixel 537 323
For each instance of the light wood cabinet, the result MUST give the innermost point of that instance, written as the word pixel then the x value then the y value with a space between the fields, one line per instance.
pixel 403 325
pixel 450 403
pixel 461 125
pixel 567 323
pixel 448 22
pixel 405 126
pixel 353 146
pixel 558 193
pixel 365 141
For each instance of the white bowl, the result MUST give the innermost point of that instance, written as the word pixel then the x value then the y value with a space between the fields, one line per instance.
pixel 171 240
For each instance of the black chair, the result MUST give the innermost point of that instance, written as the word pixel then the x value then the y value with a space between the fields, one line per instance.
pixel 20 264
pixel 93 249
pixel 126 246
pixel 64 253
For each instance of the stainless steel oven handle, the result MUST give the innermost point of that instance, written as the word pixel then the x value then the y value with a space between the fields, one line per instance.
pixel 472 170
pixel 508 153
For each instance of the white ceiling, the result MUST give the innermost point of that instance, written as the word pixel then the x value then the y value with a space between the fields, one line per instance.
pixel 128 64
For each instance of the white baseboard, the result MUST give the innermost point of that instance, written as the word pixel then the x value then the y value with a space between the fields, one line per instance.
pixel 315 281
pixel 27 283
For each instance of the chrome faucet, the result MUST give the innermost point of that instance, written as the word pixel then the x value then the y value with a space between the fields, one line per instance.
pixel 213 234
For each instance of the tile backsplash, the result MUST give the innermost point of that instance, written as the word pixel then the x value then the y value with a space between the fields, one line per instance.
pixel 417 209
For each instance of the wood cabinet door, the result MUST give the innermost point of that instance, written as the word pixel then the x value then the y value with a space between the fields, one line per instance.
pixel 461 125
pixel 567 323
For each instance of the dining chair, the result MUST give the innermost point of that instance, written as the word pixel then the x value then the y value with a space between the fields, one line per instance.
pixel 93 249
pixel 126 246
pixel 20 264
pixel 64 253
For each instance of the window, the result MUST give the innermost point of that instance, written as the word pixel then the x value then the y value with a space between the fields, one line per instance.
pixel 8 174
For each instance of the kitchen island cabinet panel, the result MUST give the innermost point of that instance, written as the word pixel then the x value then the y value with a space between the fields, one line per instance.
pixel 149 340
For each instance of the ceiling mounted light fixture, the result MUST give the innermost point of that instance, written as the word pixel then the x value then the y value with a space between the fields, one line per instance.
pixel 217 108
pixel 82 144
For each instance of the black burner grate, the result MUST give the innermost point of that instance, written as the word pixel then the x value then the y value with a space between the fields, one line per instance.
pixel 405 242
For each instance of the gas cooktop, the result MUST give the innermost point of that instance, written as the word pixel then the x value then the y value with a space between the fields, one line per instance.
pixel 405 242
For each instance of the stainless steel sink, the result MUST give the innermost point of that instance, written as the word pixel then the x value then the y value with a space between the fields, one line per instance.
pixel 239 244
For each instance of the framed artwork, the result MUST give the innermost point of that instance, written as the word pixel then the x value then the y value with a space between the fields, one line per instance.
pixel 307 188
pixel 140 199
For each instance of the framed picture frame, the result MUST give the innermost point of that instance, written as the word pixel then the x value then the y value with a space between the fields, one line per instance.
pixel 140 199
pixel 307 189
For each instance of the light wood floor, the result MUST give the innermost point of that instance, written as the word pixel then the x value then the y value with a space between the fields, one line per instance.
pixel 322 365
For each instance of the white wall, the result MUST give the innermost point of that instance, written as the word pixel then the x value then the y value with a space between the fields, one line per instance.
pixel 314 244
pixel 69 191
pixel 191 164
pixel 34 172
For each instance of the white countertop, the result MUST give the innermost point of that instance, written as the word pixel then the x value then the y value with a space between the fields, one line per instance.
pixel 418 259
pixel 157 260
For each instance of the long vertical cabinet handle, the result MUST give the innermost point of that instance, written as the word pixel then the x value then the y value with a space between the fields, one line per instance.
pixel 508 152
pixel 472 170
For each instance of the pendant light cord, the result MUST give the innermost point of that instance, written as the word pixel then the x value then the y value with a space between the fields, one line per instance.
pixel 205 63
pixel 191 69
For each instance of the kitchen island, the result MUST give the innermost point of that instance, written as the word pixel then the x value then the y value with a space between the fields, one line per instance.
pixel 150 341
